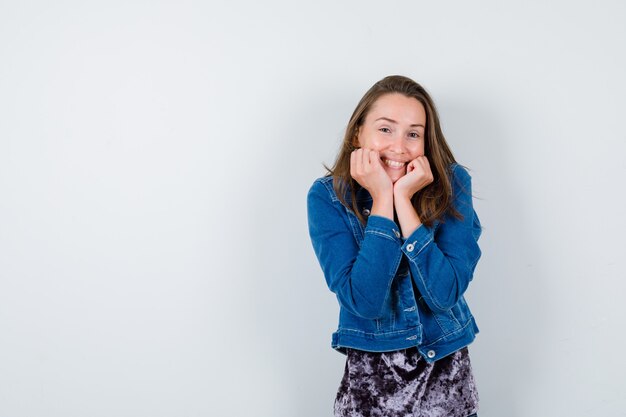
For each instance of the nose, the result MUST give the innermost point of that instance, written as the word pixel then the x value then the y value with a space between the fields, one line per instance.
pixel 397 144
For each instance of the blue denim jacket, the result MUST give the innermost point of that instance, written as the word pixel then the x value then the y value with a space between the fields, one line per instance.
pixel 397 293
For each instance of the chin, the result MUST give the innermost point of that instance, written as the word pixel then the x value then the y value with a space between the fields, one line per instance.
pixel 394 175
pixel 395 178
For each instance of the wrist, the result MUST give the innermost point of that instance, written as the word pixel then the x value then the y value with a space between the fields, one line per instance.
pixel 407 215
pixel 382 205
pixel 402 195
pixel 382 194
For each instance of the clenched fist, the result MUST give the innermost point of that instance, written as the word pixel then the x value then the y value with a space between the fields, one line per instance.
pixel 418 175
pixel 367 169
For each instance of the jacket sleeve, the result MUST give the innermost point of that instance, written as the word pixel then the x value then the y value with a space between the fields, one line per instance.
pixel 360 277
pixel 442 263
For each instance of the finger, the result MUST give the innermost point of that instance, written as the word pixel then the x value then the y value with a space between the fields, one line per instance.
pixel 426 168
pixel 352 163
pixel 365 158
pixel 358 166
pixel 422 162
pixel 374 157
pixel 425 163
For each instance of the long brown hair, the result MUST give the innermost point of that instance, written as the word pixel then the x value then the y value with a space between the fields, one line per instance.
pixel 431 202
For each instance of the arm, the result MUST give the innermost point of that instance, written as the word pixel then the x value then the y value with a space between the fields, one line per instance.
pixel 442 264
pixel 360 277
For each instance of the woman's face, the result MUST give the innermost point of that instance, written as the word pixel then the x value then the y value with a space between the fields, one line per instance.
pixel 395 127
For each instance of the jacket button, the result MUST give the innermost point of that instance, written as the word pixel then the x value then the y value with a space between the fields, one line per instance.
pixel 395 232
pixel 366 212
pixel 410 248
pixel 431 354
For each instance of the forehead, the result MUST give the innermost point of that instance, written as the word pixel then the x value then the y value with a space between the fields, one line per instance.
pixel 398 107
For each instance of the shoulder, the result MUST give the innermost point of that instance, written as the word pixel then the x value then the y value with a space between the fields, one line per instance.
pixel 323 187
pixel 460 179
pixel 322 203
pixel 328 186
pixel 459 173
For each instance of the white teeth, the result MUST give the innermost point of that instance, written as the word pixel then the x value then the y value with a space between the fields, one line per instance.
pixel 393 164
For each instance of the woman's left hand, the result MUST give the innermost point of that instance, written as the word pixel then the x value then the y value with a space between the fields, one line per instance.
pixel 418 175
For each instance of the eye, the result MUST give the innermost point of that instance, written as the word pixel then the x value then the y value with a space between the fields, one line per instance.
pixel 385 130
pixel 414 135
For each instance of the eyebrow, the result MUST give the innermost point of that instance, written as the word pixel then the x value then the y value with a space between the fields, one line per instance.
pixel 394 122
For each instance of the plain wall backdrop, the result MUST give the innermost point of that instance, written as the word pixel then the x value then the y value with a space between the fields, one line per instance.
pixel 154 164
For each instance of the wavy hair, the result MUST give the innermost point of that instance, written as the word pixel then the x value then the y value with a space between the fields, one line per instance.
pixel 431 202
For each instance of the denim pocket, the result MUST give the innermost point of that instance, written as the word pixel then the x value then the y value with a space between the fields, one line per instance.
pixel 437 324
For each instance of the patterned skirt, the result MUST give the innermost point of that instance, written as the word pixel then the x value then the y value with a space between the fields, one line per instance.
pixel 403 384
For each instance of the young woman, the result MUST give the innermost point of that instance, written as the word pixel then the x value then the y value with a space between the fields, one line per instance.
pixel 394 230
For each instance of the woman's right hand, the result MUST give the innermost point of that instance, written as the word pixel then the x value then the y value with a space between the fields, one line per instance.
pixel 367 169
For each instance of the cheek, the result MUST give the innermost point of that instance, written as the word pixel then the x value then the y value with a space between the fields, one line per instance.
pixel 373 143
pixel 377 145
pixel 417 150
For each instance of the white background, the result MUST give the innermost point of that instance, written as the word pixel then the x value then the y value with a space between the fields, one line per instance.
pixel 154 164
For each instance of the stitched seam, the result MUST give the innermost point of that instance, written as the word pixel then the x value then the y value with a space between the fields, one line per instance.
pixel 328 184
pixel 439 322
pixel 450 333
pixel 377 334
pixel 453 320
pixel 454 317
pixel 374 232
pixel 356 230
pixel 423 246
pixel 419 272
pixel 392 272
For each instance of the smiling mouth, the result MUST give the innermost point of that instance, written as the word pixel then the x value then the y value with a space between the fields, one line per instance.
pixel 393 164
